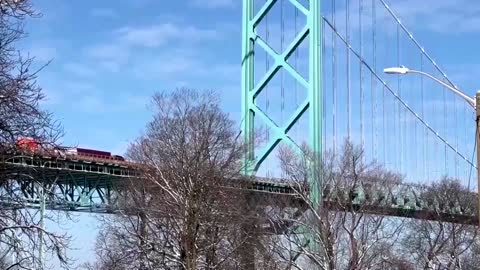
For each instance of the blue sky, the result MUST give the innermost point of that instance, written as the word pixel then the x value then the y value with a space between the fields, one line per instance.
pixel 110 56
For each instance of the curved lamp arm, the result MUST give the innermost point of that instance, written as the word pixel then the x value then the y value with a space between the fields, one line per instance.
pixel 403 70
pixel 468 99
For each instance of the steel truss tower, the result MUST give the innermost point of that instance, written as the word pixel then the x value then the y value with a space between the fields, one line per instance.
pixel 251 90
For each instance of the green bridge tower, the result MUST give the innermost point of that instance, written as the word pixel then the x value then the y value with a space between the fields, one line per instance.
pixel 250 90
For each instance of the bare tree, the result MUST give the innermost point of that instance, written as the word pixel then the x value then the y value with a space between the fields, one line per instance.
pixel 339 233
pixel 20 96
pixel 438 244
pixel 471 258
pixel 348 231
pixel 110 255
pixel 180 213
pixel 21 116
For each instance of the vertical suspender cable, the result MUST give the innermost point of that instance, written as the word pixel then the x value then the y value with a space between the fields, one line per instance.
pixel 445 127
pixel 425 131
pixel 282 41
pixel 456 136
pixel 267 101
pixel 384 128
pixel 396 146
pixel 465 113
pixel 415 142
pixel 374 82
pixel 399 84
pixel 360 10
pixel 334 80
pixel 435 145
pixel 349 105
pixel 296 68
pixel 324 100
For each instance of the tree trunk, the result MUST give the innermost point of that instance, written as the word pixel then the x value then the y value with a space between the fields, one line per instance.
pixel 143 235
pixel 210 257
pixel 247 249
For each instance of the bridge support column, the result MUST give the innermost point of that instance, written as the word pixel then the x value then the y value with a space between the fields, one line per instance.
pixel 42 224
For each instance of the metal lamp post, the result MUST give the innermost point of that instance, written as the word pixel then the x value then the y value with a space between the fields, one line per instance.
pixel 472 101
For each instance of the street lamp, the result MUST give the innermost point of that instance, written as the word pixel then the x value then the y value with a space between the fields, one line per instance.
pixel 472 101
pixel 404 70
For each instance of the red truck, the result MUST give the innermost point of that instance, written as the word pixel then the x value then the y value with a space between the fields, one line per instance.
pixel 31 145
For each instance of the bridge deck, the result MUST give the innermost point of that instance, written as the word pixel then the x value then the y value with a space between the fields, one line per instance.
pixel 88 185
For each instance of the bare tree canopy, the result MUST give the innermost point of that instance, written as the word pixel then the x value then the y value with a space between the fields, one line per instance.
pixel 177 215
pixel 20 96
pixel 21 116
pixel 345 236
pixel 442 245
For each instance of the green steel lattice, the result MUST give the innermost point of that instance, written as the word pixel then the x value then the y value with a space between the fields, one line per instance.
pixel 250 90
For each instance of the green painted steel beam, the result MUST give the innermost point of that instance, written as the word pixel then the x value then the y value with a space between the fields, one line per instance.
pixel 313 84
pixel 315 97
pixel 247 85
pixel 250 90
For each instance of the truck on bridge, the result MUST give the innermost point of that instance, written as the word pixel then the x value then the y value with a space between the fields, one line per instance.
pixel 31 145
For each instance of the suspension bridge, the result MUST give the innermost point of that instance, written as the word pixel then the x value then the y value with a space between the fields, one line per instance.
pixel 311 73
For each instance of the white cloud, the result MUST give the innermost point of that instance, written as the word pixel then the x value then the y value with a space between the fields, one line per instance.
pixel 160 34
pixel 165 66
pixel 444 16
pixel 212 4
pixel 94 103
pixel 113 56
